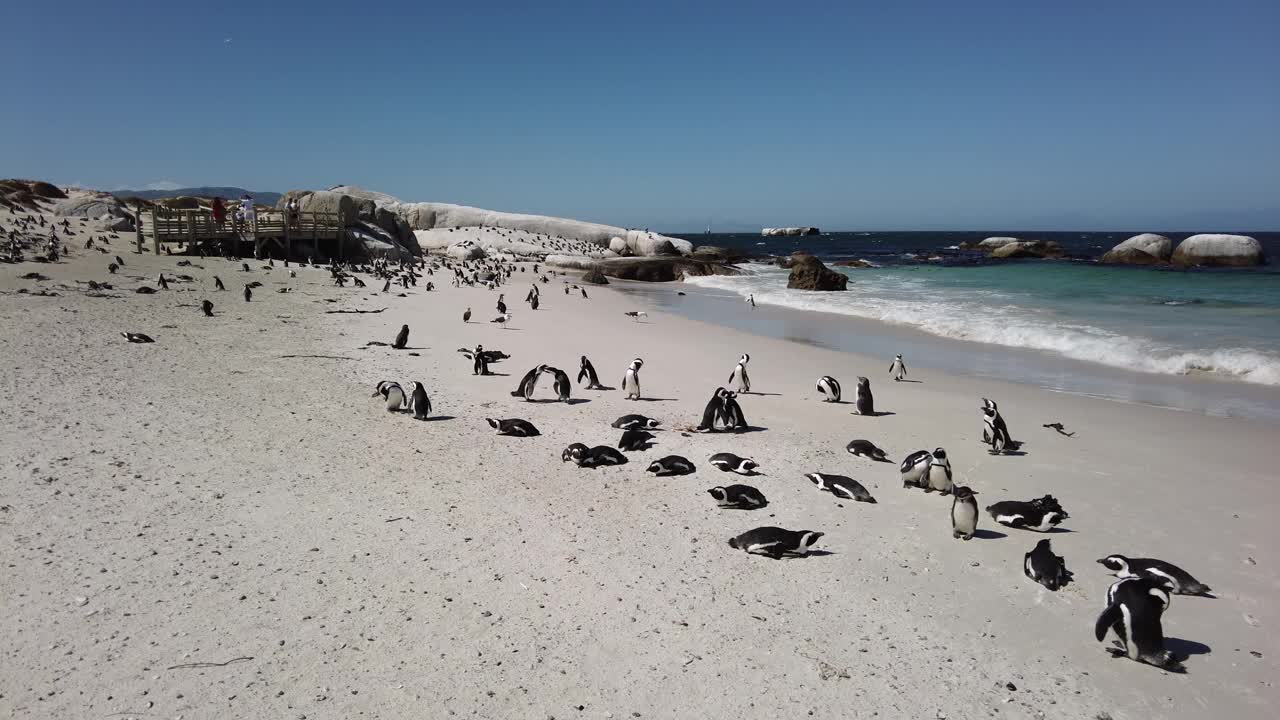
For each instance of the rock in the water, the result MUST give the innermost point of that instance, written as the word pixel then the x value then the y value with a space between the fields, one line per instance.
pixel 1144 249
pixel 808 273
pixel 992 243
pixel 1027 249
pixel 1220 250
pixel 653 269
pixel 595 277
pixel 718 254
pixel 772 232
pixel 855 264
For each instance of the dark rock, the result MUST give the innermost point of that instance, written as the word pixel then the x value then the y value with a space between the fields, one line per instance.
pixel 853 264
pixel 661 269
pixel 1028 249
pixel 45 190
pixel 595 277
pixel 808 273
pixel 718 254
pixel 181 203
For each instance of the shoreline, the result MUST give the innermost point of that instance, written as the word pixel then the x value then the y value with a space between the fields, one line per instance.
pixel 210 497
pixel 1203 394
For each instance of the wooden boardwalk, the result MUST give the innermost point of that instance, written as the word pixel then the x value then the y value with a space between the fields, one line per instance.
pixel 195 227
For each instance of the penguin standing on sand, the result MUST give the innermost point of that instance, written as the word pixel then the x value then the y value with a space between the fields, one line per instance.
pixel 751 299
pixel 248 293
pixel 528 383
pixel 830 388
pixel 635 439
pixel 1134 608
pixel 466 316
pixel 217 283
pixel 561 382
pixel 206 307
pixel 631 380
pixel 938 476
pixel 479 361
pixel 994 431
pixel 392 393
pixel 588 372
pixel 897 369
pixel 863 402
pixel 419 403
pixel 502 306
pixel 402 338
pixel 964 513
pixel 739 375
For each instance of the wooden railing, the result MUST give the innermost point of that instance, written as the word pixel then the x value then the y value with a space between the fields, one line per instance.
pixel 194 226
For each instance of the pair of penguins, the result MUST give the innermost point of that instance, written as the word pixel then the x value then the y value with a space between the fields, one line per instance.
pixel 529 382
pixel 722 412
pixel 863 401
pixel 630 380
pixel 394 396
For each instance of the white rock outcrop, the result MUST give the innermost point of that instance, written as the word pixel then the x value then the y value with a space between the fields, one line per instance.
pixel 1142 249
pixel 92 205
pixel 773 232
pixel 992 243
pixel 1223 250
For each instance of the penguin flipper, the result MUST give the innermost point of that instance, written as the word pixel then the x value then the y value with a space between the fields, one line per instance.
pixel 1106 620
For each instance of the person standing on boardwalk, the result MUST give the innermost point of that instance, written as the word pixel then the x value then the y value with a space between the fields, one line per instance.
pixel 219 212
pixel 246 210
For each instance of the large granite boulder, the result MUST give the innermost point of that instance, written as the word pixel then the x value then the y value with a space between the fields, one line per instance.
pixel 1143 249
pixel 93 206
pixel 992 243
pixel 718 254
pixel 465 250
pixel 808 273
pixel 789 231
pixel 595 277
pixel 1219 250
pixel 1027 249
pixel 619 246
pixel 330 202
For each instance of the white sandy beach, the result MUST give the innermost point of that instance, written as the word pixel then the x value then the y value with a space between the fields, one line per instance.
pixel 232 496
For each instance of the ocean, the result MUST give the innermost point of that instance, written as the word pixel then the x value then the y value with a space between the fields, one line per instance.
pixel 1135 334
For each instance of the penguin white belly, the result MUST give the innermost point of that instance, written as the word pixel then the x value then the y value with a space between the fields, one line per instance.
pixel 965 518
pixel 938 479
pixel 1046 523
pixel 395 400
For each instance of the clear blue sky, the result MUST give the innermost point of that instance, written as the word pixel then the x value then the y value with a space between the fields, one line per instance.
pixel 848 115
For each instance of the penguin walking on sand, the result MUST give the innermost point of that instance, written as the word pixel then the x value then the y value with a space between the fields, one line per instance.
pixel 392 393
pixel 588 372
pixel 502 306
pixel 248 293
pixel 1042 566
pixel 964 513
pixel 217 283
pixel 631 380
pixel 479 361
pixel 402 338
pixel 466 316
pixel 897 369
pixel 1178 580
pixel 739 377
pixel 560 383
pixel 1134 609
pixel 776 542
pixel 830 389
pixel 528 383
pixel 584 292
pixel 419 403
pixel 938 476
pixel 738 497
pixel 863 402
pixel 206 307
pixel 751 300
pixel 164 284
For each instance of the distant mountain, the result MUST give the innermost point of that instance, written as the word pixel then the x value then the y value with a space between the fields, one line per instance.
pixel 228 193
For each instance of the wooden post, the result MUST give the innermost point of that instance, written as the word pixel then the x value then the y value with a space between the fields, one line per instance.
pixel 288 236
pixel 137 227
pixel 155 238
pixel 191 229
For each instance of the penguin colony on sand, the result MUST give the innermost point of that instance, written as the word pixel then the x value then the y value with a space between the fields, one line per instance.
pixel 1135 602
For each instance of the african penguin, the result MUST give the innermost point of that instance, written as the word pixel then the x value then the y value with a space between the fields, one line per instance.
pixel 964 513
pixel 776 542
pixel 995 432
pixel 206 307
pixel 842 487
pixel 419 403
pixel 915 467
pixel 938 476
pixel 392 393
pixel 628 422
pixel 1134 608
pixel 137 337
pixel 402 338
pixel 514 427
pixel 561 383
pixel 866 448
pixel 634 439
pixel 1179 581
pixel 830 388
pixel 738 377
pixel 248 293
pixel 1042 566
pixel 528 383
pixel 863 402
pixel 728 462
pixel 1041 514
pixel 631 380
pixel 587 371
pixel 671 465
pixel 739 497
pixel 598 456
pixel 897 369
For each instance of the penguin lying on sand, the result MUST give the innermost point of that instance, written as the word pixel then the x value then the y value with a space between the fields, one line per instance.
pixel 629 422
pixel 672 465
pixel 1041 514
pixel 728 462
pixel 1044 567
pixel 776 542
pixel 845 488
pixel 830 388
pixel 866 448
pixel 635 439
pixel 514 427
pixel 392 393
pixel 598 456
pixel 1179 581
pixel 739 497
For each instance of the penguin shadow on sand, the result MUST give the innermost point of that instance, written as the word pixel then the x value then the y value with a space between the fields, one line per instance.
pixel 877 413
pixel 984 534
pixel 1184 649
pixel 569 401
